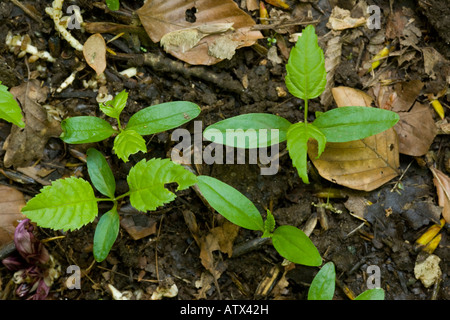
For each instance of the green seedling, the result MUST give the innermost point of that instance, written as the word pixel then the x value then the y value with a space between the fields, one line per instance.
pixel 113 5
pixel 70 203
pixel 324 283
pixel 305 79
pixel 290 242
pixel 129 139
pixel 9 108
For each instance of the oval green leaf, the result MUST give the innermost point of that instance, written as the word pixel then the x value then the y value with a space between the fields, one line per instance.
pixel 253 130
pixel 9 108
pixel 324 283
pixel 100 173
pixel 85 129
pixel 230 203
pixel 306 75
pixel 162 117
pixel 66 204
pixel 114 107
pixel 346 124
pixel 106 234
pixel 371 294
pixel 294 245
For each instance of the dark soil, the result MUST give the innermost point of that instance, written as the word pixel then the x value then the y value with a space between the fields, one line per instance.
pixel 170 255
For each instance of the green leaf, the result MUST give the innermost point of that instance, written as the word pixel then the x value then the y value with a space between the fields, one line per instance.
pixel 294 245
pixel 306 76
pixel 9 108
pixel 163 117
pixel 106 234
pixel 113 5
pixel 324 283
pixel 114 107
pixel 371 294
pixel 269 225
pixel 248 130
pixel 230 203
pixel 147 179
pixel 66 204
pixel 128 142
pixel 297 145
pixel 100 173
pixel 354 123
pixel 85 129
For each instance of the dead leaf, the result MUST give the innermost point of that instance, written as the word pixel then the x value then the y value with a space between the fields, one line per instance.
pixel 94 51
pixel 332 60
pixel 138 226
pixel 442 183
pixel 431 59
pixel 363 164
pixel 416 130
pixel 11 202
pixel 26 145
pixel 161 17
pixel 340 19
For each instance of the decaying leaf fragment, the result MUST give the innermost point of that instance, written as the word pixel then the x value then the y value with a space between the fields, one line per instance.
pixel 442 183
pixel 362 164
pixel 162 18
pixel 340 19
pixel 94 51
pixel 416 129
pixel 27 145
pixel 11 201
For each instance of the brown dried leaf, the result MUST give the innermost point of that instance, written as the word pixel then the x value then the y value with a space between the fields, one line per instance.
pixel 442 183
pixel 416 130
pixel 94 51
pixel 332 61
pixel 26 145
pixel 341 19
pixel 11 202
pixel 160 17
pixel 363 164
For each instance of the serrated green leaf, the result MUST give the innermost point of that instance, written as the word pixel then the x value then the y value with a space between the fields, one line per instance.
pixel 9 108
pixel 128 142
pixel 147 179
pixel 66 204
pixel 106 234
pixel 114 107
pixel 163 117
pixel 230 203
pixel 100 173
pixel 294 245
pixel 297 145
pixel 269 225
pixel 85 129
pixel 306 76
pixel 371 294
pixel 346 124
pixel 251 130
pixel 324 283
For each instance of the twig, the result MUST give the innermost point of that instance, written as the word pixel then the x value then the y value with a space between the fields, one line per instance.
pixel 27 11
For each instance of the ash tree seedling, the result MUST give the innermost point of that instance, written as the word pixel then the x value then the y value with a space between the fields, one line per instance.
pixel 129 139
pixel 69 204
pixel 290 242
pixel 306 79
pixel 9 108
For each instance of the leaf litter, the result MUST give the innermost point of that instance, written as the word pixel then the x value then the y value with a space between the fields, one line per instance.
pixel 385 225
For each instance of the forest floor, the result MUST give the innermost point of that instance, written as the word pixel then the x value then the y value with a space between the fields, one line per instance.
pixel 156 251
